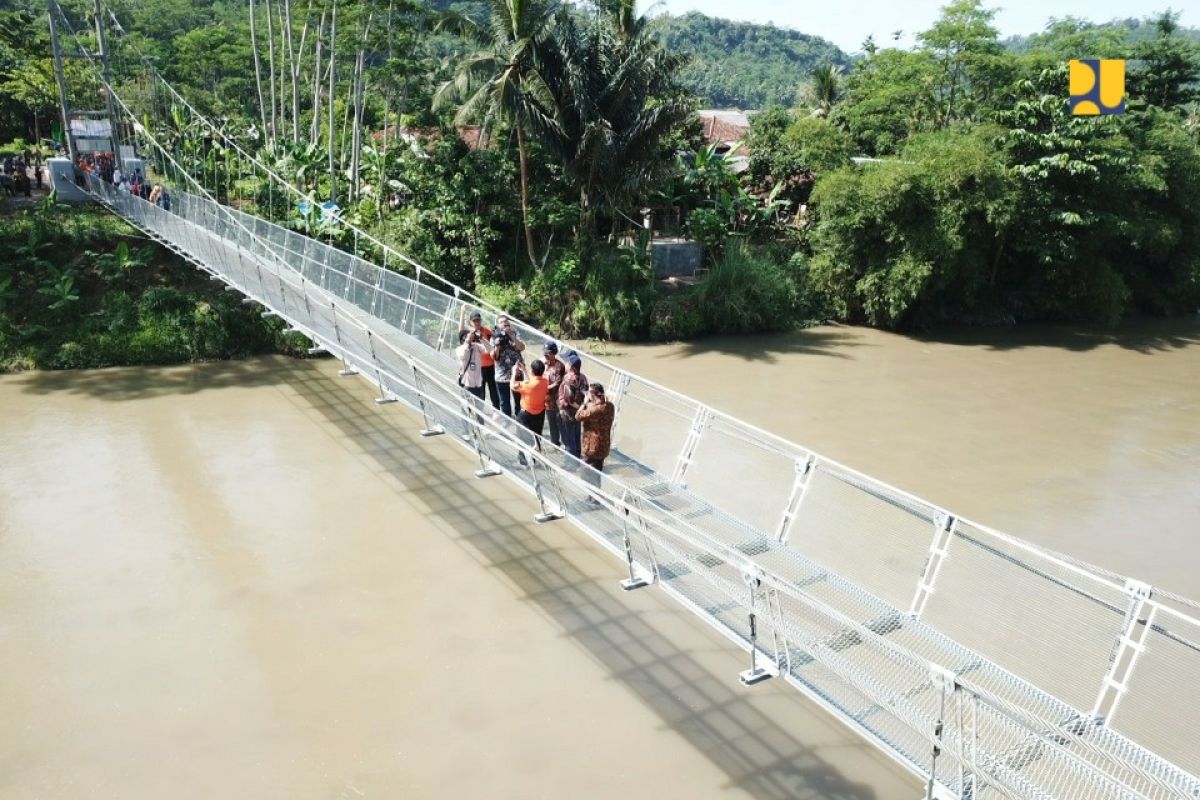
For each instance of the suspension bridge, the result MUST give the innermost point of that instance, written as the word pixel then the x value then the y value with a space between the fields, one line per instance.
pixel 985 665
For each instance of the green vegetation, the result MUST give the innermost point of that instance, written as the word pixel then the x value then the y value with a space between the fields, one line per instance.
pixel 513 145
pixel 741 64
pixel 82 289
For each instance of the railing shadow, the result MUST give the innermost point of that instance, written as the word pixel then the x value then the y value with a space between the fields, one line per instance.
pixel 758 753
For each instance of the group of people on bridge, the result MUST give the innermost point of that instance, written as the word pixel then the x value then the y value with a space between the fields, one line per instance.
pixel 491 364
pixel 109 171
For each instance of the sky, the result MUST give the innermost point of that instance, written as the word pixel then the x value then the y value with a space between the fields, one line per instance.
pixel 849 22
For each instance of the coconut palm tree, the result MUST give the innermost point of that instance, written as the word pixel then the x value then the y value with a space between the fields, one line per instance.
pixel 502 80
pixel 617 99
pixel 823 90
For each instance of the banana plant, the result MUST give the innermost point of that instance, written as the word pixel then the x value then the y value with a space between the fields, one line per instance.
pixel 61 288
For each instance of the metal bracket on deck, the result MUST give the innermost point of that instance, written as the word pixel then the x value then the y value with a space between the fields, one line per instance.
pixel 684 461
pixel 534 464
pixel 317 350
pixel 804 473
pixel 249 301
pixel 347 369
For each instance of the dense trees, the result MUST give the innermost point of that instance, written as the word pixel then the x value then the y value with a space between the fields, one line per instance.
pixel 515 145
pixel 997 203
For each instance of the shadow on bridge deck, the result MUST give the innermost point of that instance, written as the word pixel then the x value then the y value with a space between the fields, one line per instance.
pixel 768 740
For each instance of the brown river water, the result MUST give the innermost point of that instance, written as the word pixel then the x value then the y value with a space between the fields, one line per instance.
pixel 247 580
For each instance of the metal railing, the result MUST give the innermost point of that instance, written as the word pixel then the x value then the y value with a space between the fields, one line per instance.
pixel 1029 674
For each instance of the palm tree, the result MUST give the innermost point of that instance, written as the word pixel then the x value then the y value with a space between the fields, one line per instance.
pixel 618 98
pixel 823 90
pixel 502 80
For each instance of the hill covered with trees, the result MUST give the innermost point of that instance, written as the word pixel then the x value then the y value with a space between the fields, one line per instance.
pixel 743 64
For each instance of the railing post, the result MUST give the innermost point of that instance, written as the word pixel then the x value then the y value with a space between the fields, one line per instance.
pixel 944 526
pixel 346 370
pixel 615 393
pixel 384 397
pixel 446 320
pixel 487 464
pixel 546 515
pixel 1128 649
pixel 804 473
pixel 629 503
pixel 375 293
pixel 409 307
pixel 634 581
pixel 756 674
pixel 684 461
pixel 947 685
pixel 428 430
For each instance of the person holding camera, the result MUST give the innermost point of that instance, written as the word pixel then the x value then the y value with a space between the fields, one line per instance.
pixel 532 390
pixel 506 351
pixel 470 351
pixel 487 365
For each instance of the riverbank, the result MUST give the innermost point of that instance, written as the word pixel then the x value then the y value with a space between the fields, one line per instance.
pixel 80 288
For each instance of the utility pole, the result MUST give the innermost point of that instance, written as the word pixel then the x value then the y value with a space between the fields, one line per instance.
pixel 108 98
pixel 68 139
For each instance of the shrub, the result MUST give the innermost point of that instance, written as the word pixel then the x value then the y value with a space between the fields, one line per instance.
pixel 745 293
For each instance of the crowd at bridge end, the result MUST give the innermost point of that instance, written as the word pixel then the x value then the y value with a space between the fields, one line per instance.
pixel 551 392
pixel 105 167
pixel 15 178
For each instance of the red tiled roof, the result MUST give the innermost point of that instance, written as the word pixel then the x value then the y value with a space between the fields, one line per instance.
pixel 725 127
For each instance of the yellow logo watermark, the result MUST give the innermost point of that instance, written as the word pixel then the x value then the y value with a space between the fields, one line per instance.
pixel 1097 86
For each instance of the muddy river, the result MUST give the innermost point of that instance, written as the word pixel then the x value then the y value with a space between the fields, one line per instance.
pixel 247 580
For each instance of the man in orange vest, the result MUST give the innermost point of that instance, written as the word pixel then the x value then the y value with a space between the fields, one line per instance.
pixel 533 390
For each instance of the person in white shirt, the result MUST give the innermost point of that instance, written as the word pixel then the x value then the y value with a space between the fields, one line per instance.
pixel 470 367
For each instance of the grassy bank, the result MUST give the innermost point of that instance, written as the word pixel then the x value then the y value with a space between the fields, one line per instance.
pixel 80 288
